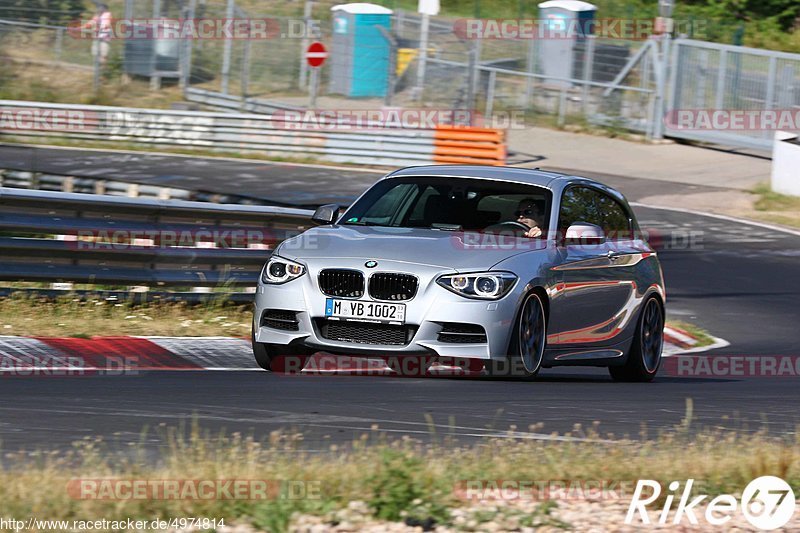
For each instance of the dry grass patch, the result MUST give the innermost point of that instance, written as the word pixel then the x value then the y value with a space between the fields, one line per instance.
pixel 400 480
pixel 73 317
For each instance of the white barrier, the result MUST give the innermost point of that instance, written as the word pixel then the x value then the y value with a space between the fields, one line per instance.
pixel 280 134
pixel 786 163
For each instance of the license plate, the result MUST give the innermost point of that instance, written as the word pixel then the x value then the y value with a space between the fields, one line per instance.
pixel 365 311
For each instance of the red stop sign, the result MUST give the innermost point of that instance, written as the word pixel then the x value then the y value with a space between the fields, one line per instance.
pixel 316 54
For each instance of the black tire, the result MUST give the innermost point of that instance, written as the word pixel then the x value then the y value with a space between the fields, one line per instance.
pixel 644 357
pixel 276 358
pixel 527 345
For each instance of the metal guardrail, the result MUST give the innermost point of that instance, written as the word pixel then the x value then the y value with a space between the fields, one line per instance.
pixel 236 103
pixel 27 179
pixel 281 135
pixel 71 237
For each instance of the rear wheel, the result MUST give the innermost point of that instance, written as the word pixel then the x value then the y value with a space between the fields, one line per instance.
pixel 527 344
pixel 278 358
pixel 644 357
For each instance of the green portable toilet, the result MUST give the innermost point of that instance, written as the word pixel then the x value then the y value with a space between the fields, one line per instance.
pixel 360 52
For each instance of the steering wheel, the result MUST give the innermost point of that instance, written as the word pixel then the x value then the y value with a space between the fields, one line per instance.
pixel 511 224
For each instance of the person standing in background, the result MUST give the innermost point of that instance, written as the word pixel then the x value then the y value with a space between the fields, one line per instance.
pixel 101 29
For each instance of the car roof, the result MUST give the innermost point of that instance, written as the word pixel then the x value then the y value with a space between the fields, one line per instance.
pixel 532 176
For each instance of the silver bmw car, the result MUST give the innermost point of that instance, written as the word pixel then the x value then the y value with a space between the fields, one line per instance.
pixel 496 268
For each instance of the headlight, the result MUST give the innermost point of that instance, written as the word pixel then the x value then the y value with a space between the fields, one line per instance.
pixel 280 270
pixel 481 285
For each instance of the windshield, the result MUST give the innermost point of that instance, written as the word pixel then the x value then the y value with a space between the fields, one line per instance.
pixel 455 204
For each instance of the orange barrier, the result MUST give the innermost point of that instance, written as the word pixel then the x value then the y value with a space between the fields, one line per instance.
pixel 469 145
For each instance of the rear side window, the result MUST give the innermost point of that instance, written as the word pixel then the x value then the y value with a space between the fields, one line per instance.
pixel 616 223
pixel 584 204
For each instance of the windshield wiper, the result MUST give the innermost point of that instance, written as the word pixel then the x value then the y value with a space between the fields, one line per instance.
pixel 361 223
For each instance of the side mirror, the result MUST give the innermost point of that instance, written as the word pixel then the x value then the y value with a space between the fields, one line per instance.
pixel 325 214
pixel 585 234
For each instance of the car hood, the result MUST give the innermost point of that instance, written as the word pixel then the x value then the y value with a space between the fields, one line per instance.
pixel 446 249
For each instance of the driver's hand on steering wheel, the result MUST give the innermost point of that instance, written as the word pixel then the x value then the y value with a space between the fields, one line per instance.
pixel 533 232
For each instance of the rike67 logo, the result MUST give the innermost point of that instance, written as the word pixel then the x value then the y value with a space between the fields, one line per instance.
pixel 767 503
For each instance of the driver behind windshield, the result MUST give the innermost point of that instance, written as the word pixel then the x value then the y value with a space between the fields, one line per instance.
pixel 529 214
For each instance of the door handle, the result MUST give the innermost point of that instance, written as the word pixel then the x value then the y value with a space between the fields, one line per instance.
pixel 613 256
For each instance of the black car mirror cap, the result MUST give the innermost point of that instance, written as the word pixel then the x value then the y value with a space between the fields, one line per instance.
pixel 325 214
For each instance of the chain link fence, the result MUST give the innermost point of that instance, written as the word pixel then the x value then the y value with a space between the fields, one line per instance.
pixel 625 84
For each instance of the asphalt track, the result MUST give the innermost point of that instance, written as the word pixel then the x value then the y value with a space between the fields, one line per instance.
pixel 281 183
pixel 738 281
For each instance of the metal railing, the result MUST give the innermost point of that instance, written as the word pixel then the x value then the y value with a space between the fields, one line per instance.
pixel 711 77
pixel 285 134
pixel 69 237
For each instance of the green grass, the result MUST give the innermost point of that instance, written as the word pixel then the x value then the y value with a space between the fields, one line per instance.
pixel 775 207
pixel 703 338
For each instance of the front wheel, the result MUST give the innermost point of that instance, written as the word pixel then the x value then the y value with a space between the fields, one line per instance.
pixel 644 357
pixel 527 345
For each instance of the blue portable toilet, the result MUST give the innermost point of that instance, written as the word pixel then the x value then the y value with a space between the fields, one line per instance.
pixel 360 52
pixel 557 56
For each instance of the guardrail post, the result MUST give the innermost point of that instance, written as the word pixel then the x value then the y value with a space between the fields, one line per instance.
pixel 588 74
pixel 246 68
pixel 226 54
pixel 304 43
pixel 59 43
pixel 155 79
pixel 530 66
pixel 391 78
pixel 475 65
pixel 722 68
pixel 423 57
pixel 490 94
pixel 472 73
pixel 188 45
pixel 769 99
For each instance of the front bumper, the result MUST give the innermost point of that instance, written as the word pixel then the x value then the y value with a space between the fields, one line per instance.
pixel 431 308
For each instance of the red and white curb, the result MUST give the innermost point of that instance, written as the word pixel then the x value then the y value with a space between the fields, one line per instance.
pixel 679 342
pixel 125 353
pixel 120 354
